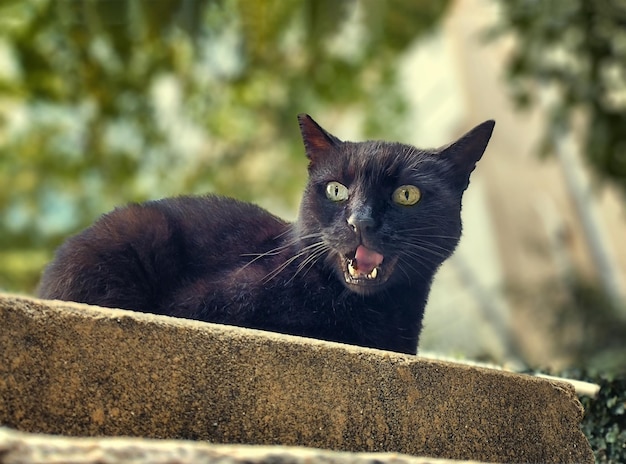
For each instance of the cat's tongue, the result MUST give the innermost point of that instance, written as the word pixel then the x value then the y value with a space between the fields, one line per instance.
pixel 367 260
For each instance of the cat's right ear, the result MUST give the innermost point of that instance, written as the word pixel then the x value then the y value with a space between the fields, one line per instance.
pixel 467 151
pixel 317 142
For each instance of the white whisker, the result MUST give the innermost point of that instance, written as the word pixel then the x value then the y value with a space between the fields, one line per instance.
pixel 308 251
pixel 277 250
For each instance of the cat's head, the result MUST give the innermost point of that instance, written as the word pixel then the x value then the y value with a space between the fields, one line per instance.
pixel 384 214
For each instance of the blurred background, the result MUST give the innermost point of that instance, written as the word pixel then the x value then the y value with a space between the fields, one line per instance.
pixel 103 102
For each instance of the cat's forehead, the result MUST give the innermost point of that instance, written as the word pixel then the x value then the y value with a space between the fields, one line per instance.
pixel 386 159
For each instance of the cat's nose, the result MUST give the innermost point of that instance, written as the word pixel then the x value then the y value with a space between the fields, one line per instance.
pixel 360 223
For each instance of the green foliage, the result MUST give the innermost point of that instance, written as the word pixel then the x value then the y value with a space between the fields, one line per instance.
pixel 604 423
pixel 104 102
pixel 580 46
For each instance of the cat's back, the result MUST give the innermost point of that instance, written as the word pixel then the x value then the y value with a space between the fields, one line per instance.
pixel 153 246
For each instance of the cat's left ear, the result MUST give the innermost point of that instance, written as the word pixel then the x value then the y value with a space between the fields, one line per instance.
pixel 317 142
pixel 466 151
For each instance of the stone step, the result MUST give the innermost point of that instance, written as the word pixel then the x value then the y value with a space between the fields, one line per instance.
pixel 78 370
pixel 22 447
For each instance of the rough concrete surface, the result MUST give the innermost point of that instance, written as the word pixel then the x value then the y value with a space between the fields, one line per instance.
pixel 80 370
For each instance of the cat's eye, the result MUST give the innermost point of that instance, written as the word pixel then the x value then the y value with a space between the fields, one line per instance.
pixel 336 191
pixel 407 195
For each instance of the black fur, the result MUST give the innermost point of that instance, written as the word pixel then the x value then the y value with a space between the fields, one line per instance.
pixel 221 260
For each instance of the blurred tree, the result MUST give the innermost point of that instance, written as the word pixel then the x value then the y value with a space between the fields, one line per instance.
pixel 103 102
pixel 578 46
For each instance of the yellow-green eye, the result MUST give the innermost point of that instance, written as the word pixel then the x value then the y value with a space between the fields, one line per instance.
pixel 407 195
pixel 336 191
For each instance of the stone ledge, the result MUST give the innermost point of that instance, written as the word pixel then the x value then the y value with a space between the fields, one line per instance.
pixel 79 370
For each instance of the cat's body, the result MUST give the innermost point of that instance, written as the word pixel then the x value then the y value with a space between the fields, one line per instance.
pixel 377 219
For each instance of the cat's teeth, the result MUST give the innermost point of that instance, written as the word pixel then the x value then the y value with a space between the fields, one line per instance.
pixel 356 274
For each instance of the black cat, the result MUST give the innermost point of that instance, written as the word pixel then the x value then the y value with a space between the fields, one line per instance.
pixel 377 219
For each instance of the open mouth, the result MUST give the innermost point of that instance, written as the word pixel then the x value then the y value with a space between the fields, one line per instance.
pixel 356 273
pixel 365 268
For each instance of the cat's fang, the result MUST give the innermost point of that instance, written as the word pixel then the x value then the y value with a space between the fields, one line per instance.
pixel 373 274
pixel 352 270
